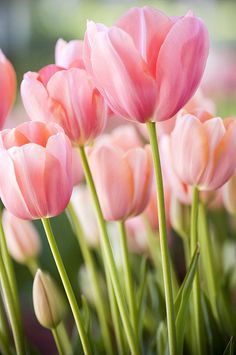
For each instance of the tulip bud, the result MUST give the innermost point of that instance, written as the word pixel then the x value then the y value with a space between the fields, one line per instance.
pixel 22 238
pixel 49 304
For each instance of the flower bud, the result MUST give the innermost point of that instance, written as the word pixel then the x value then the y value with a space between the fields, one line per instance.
pixel 49 304
pixel 22 238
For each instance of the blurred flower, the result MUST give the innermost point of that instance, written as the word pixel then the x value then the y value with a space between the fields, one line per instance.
pixel 37 179
pixel 69 54
pixel 153 70
pixel 122 179
pixel 67 97
pixel 49 304
pixel 22 238
pixel 7 87
pixel 82 204
pixel 202 153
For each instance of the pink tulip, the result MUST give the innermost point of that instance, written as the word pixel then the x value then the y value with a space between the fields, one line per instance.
pixel 69 54
pixel 83 207
pixel 22 238
pixel 36 160
pixel 67 97
pixel 124 137
pixel 7 87
pixel 155 62
pixel 203 153
pixel 122 180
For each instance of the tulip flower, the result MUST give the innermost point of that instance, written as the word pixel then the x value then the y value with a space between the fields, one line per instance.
pixel 124 137
pixel 122 179
pixel 67 97
pixel 202 153
pixel 49 304
pixel 7 87
pixel 22 238
pixel 69 54
pixel 78 173
pixel 155 62
pixel 36 160
pixel 83 207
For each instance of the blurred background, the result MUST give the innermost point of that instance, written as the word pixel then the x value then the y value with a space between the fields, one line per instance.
pixel 28 33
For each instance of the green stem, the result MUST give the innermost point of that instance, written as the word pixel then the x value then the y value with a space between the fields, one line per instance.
pixel 170 314
pixel 207 258
pixel 10 270
pixel 197 313
pixel 99 303
pixel 14 319
pixel 67 286
pixel 129 284
pixel 109 258
pixel 58 342
pixel 32 265
pixel 4 331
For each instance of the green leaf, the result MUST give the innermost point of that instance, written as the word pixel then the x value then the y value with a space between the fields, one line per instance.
pixel 141 290
pixel 229 350
pixel 86 314
pixel 161 339
pixel 182 300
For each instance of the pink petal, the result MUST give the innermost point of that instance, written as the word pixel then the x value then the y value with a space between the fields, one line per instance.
pixel 126 83
pixel 85 109
pixel 37 103
pixel 189 149
pixel 113 180
pixel 69 54
pixel 180 65
pixel 148 28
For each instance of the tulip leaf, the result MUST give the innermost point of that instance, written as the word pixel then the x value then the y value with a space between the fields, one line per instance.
pixel 161 339
pixel 182 300
pixel 141 291
pixel 86 313
pixel 229 350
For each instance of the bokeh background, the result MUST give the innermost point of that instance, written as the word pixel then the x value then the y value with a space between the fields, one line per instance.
pixel 28 33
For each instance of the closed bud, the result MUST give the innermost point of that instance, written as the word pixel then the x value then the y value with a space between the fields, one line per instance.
pixel 22 238
pixel 49 304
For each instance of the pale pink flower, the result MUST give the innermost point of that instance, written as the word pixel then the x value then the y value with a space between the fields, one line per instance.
pixel 122 179
pixel 36 160
pixel 148 65
pixel 67 97
pixel 69 54
pixel 23 240
pixel 7 87
pixel 203 153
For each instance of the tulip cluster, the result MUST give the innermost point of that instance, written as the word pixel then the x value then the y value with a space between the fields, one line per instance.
pixel 139 197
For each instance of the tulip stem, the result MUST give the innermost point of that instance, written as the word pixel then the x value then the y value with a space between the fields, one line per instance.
pixel 197 313
pixel 9 270
pixel 4 333
pixel 100 306
pixel 9 299
pixel 166 269
pixel 109 258
pixel 128 279
pixel 58 343
pixel 67 286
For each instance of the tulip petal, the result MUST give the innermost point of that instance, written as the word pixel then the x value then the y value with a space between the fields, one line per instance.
pixel 11 197
pixel 85 110
pixel 126 82
pixel 37 103
pixel 113 180
pixel 189 147
pixel 180 65
pixel 148 28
